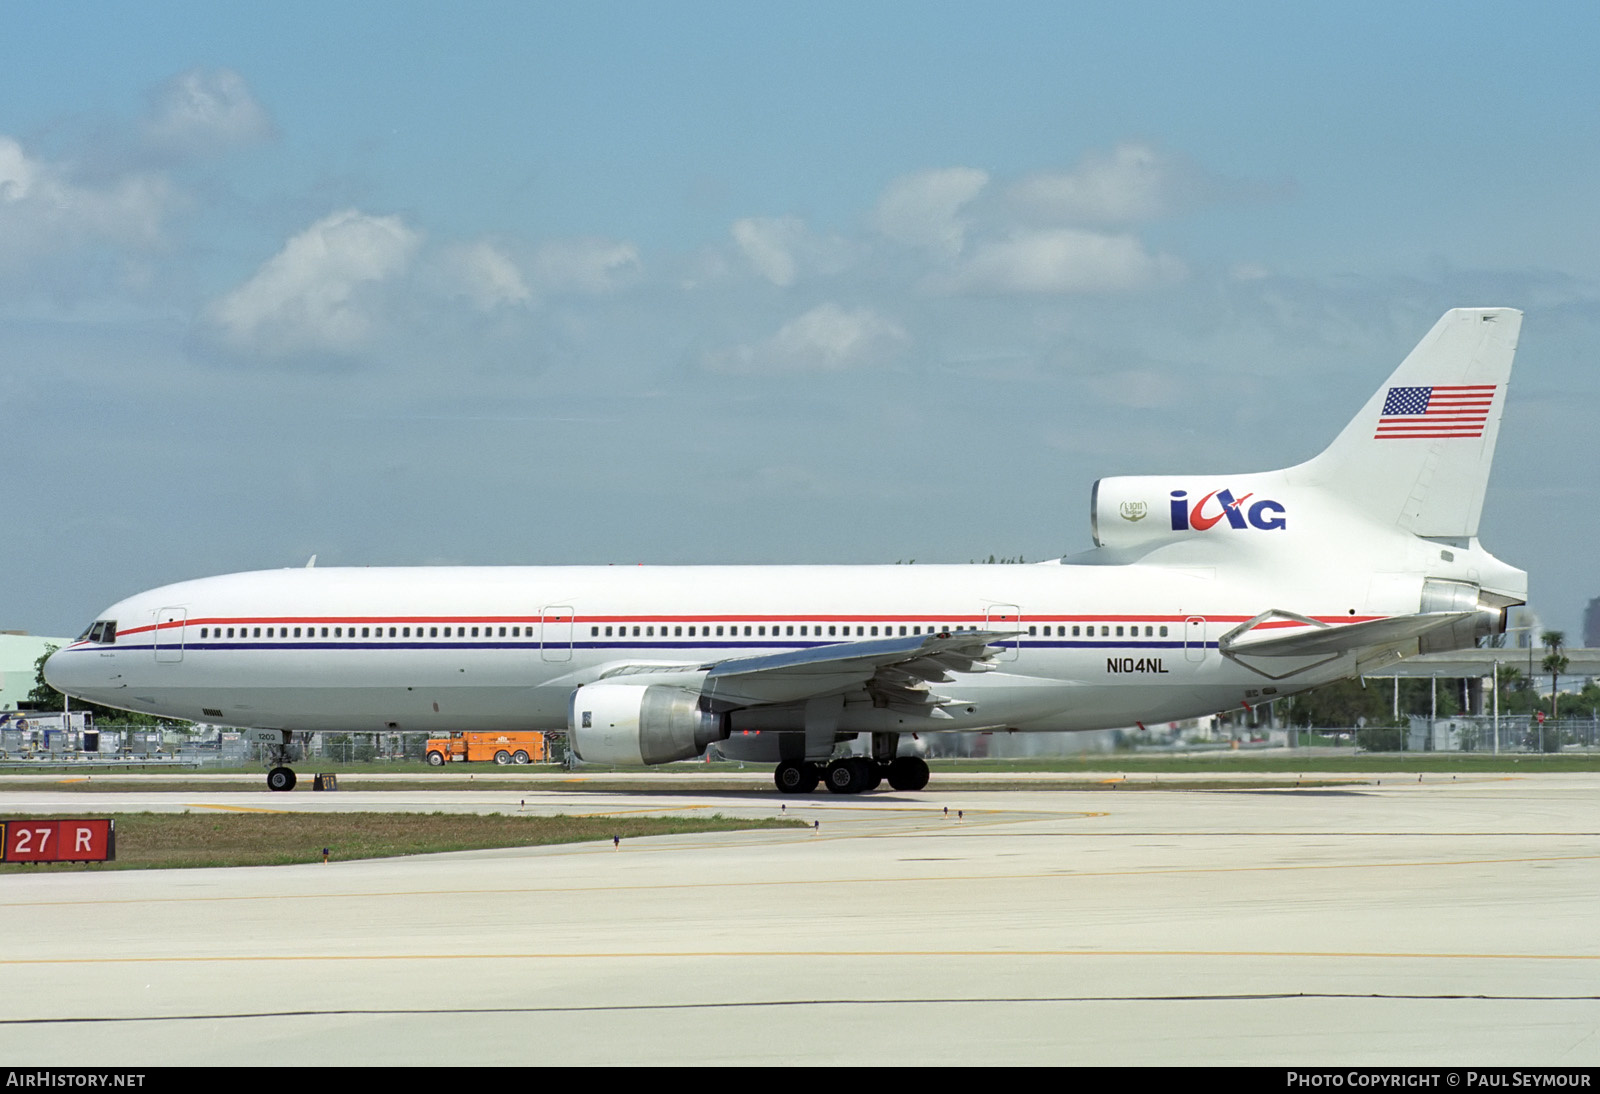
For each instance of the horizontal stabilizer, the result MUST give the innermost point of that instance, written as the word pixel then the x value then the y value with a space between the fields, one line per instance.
pixel 1324 639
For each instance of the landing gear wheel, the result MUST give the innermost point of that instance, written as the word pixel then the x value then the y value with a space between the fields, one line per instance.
pixel 871 775
pixel 520 757
pixel 908 773
pixel 502 757
pixel 795 777
pixel 436 759
pixel 851 775
pixel 280 778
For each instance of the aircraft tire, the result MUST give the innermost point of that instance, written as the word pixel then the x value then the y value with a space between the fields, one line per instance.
pixel 280 778
pixel 796 777
pixel 871 775
pixel 908 773
pixel 520 757
pixel 436 759
pixel 844 777
pixel 502 757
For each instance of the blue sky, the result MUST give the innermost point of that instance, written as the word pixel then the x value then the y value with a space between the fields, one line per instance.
pixel 401 283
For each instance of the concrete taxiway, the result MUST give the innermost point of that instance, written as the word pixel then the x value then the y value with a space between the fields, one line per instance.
pixel 1446 922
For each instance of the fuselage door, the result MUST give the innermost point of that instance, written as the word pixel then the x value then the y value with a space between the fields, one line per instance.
pixel 1194 638
pixel 555 632
pixel 167 638
pixel 1005 617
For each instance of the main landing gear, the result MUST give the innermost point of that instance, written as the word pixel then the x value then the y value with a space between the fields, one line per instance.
pixel 851 775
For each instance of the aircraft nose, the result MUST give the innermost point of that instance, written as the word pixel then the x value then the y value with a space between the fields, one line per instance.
pixel 64 671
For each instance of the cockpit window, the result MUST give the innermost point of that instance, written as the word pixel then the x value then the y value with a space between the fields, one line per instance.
pixel 103 631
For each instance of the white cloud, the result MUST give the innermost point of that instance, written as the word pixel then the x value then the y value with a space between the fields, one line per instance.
pixel 45 212
pixel 486 276
pixel 585 265
pixel 1060 260
pixel 924 209
pixel 783 249
pixel 314 295
pixel 769 243
pixel 205 110
pixel 1134 183
pixel 828 338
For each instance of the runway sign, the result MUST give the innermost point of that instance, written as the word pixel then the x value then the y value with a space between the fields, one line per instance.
pixel 58 840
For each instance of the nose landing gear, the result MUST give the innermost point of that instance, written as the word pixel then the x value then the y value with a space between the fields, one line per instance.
pixel 275 743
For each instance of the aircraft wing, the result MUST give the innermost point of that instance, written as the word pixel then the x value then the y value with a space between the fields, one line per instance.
pixel 901 670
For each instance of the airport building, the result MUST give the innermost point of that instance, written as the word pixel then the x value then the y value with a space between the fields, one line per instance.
pixel 19 656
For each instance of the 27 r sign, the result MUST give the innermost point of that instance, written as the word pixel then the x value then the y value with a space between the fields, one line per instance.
pixel 58 840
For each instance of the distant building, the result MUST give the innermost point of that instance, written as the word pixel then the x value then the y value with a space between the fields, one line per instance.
pixel 1591 624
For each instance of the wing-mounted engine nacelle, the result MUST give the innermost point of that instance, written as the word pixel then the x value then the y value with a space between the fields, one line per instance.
pixel 1488 615
pixel 1146 510
pixel 640 724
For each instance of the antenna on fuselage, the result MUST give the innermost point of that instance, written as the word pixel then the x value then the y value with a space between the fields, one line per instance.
pixel 311 562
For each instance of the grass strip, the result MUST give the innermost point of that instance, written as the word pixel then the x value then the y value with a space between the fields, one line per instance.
pixel 178 840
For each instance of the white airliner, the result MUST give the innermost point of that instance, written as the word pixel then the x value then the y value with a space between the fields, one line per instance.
pixel 1203 593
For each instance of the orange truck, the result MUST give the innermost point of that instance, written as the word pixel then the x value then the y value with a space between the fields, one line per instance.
pixel 502 748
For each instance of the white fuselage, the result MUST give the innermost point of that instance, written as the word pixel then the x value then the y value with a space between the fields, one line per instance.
pixel 439 649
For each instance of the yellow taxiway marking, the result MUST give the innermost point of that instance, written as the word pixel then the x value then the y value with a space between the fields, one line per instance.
pixel 792 882
pixel 1403 955
pixel 235 808
pixel 622 812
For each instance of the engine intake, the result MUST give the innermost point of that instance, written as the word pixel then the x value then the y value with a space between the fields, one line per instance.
pixel 640 724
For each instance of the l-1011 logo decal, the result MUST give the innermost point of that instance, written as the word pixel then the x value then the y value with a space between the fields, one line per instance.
pixel 1268 516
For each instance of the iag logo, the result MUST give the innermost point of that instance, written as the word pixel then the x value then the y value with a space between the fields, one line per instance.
pixel 1220 505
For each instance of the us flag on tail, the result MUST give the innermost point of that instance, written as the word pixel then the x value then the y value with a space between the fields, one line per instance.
pixel 1444 410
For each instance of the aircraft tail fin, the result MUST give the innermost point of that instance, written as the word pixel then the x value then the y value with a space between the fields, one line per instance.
pixel 1418 454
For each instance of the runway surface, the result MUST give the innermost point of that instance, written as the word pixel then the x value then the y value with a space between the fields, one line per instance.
pixel 1446 922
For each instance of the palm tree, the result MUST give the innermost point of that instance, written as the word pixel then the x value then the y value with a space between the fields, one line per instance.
pixel 1555 663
